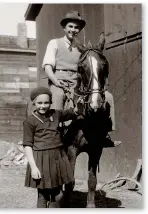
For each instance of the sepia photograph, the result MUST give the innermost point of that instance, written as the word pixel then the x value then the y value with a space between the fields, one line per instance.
pixel 71 105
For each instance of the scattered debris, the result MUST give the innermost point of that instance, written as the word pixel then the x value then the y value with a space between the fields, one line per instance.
pixel 4 147
pixel 14 154
pixel 120 181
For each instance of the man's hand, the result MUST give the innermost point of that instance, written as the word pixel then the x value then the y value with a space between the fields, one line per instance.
pixel 52 77
pixel 60 83
pixel 35 173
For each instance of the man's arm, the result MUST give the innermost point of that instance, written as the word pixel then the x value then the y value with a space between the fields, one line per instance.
pixel 50 54
pixel 51 76
pixel 49 62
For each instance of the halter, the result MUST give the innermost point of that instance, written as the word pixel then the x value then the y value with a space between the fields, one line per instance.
pixel 86 52
pixel 91 91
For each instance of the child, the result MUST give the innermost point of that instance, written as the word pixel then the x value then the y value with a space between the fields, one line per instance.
pixel 48 166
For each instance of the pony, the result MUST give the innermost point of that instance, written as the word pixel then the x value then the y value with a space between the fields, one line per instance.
pixel 88 133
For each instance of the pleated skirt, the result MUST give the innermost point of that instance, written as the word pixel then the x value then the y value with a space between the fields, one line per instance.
pixel 54 167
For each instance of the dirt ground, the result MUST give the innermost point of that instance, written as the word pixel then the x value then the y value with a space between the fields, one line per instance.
pixel 13 194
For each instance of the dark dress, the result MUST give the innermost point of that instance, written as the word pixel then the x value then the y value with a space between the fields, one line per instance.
pixel 43 135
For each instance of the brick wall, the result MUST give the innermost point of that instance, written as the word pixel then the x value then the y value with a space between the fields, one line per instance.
pixel 18 75
pixel 10 42
pixel 17 58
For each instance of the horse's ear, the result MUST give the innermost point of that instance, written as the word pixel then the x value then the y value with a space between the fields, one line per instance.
pixel 101 42
pixel 89 45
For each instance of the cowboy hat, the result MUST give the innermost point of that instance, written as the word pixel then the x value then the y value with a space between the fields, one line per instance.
pixel 73 16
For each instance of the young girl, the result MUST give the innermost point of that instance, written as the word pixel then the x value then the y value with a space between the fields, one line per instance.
pixel 48 166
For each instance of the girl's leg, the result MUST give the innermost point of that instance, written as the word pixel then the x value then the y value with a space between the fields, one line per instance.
pixel 42 199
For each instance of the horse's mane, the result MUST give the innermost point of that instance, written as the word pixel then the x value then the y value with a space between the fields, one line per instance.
pixel 82 48
pixel 99 49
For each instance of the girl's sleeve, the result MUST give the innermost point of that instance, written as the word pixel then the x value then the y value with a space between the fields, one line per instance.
pixel 28 134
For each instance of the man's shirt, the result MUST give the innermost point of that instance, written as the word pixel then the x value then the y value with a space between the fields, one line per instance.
pixel 50 54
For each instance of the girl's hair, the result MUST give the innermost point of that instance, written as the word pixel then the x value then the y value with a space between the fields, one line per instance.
pixel 33 102
pixel 38 91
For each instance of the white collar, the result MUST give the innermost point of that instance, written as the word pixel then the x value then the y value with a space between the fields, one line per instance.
pixel 51 117
pixel 66 40
pixel 37 117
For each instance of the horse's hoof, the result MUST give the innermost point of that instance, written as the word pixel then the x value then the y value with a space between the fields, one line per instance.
pixel 90 206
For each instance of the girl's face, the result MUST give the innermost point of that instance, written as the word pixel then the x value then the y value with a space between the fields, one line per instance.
pixel 42 103
pixel 71 30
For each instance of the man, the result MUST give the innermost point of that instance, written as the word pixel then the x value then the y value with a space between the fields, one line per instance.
pixel 109 98
pixel 61 59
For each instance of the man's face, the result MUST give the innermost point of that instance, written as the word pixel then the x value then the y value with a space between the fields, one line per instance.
pixel 42 103
pixel 71 30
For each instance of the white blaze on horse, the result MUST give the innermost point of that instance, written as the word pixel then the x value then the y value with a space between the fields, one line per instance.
pixel 95 86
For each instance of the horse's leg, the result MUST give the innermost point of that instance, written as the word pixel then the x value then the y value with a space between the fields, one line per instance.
pixel 92 182
pixel 73 148
pixel 72 155
pixel 92 179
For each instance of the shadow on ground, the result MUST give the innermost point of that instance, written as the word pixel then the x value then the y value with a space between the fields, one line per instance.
pixel 79 200
pixel 13 194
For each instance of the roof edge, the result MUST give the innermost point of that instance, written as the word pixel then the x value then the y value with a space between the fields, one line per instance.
pixel 18 50
pixel 32 12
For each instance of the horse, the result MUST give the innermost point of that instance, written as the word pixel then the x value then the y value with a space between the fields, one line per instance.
pixel 88 133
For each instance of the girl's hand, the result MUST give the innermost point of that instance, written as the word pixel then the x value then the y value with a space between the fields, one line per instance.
pixel 35 173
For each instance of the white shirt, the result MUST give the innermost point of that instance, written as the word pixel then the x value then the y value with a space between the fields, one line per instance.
pixel 50 54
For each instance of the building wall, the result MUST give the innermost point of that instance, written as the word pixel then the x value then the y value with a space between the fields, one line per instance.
pixel 122 20
pixel 17 58
pixel 126 86
pixel 18 75
pixel 125 78
pixel 11 42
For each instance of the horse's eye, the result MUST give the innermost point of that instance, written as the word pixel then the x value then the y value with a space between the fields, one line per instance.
pixel 79 69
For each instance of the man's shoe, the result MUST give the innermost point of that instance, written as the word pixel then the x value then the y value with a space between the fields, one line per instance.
pixel 117 143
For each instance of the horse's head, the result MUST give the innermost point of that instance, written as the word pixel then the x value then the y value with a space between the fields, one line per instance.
pixel 93 68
